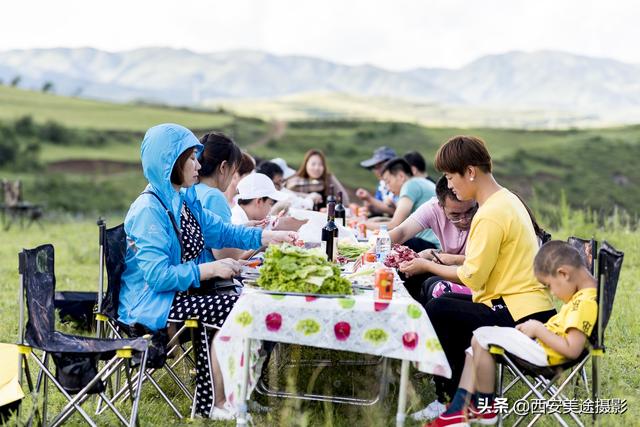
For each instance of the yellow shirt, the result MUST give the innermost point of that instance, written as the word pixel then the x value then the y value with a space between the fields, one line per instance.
pixel 499 257
pixel 580 312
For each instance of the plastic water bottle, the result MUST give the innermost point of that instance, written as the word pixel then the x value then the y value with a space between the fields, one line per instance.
pixel 383 243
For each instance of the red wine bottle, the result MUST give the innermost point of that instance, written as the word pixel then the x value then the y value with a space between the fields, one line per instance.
pixel 341 212
pixel 330 196
pixel 330 233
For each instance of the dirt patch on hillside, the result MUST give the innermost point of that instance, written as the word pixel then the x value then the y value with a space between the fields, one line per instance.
pixel 92 166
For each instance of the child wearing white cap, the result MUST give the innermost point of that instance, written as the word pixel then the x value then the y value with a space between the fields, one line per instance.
pixel 256 196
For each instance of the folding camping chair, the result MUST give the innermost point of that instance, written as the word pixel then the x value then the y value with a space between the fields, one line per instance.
pixel 587 250
pixel 15 209
pixel 112 250
pixel 76 357
pixel 609 265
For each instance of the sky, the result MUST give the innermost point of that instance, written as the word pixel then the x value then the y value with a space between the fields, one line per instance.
pixel 392 34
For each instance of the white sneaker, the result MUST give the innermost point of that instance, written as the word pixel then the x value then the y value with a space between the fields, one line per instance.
pixel 433 410
pixel 221 414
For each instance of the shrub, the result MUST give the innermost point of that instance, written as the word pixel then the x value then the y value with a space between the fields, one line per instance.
pixel 24 126
pixel 8 145
pixel 54 132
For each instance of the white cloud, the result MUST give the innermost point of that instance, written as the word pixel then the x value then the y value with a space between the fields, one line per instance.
pixel 395 34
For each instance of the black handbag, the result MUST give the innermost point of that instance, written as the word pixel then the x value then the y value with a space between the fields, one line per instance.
pixel 75 370
pixel 217 286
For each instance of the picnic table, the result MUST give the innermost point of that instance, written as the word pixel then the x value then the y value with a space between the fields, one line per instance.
pixel 398 328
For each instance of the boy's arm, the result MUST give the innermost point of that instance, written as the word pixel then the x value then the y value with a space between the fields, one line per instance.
pixel 570 346
pixel 402 212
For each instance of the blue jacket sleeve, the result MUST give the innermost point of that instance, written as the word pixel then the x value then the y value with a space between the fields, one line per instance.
pixel 152 238
pixel 218 235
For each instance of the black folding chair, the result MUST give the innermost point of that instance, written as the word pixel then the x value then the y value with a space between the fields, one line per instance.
pixel 588 251
pixel 113 246
pixel 545 378
pixel 77 358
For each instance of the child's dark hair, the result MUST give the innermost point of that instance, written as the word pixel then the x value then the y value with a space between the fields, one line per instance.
pixel 217 148
pixel 245 202
pixel 554 254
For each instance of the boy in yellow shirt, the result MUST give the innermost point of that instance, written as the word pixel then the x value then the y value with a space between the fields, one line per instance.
pixel 564 336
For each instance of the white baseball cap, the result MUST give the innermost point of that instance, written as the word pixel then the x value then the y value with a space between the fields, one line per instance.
pixel 287 172
pixel 258 185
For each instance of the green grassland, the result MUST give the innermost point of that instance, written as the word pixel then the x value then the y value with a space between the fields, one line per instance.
pixel 595 168
pixel 89 114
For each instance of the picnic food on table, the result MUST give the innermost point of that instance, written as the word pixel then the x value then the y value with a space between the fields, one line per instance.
pixel 288 268
pixel 351 251
pixel 398 255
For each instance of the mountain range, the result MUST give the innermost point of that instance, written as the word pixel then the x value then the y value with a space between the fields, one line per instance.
pixel 598 89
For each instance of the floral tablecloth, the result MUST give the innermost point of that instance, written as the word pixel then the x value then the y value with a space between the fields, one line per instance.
pixel 397 329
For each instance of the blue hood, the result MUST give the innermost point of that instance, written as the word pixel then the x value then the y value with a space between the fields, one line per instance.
pixel 161 147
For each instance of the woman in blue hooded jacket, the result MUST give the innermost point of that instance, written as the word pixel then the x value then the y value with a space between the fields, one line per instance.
pixel 167 230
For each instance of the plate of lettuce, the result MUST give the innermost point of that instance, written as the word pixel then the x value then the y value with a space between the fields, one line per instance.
pixel 292 270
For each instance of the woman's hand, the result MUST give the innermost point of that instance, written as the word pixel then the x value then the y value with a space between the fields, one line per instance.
pixel 414 266
pixel 530 328
pixel 224 268
pixel 278 237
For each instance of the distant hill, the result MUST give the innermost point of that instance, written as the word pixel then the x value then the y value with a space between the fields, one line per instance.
pixel 596 90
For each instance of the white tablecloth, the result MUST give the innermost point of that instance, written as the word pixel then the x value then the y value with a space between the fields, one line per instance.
pixel 397 329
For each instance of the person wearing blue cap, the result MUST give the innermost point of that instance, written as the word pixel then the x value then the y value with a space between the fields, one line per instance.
pixel 383 201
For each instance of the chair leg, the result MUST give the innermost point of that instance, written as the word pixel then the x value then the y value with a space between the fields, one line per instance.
pixel 499 378
pixel 45 391
pixel 585 380
pixel 136 402
pixel 35 412
pixel 595 384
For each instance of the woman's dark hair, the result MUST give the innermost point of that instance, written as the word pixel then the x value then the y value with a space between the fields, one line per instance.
pixel 247 164
pixel 270 169
pixel 178 166
pixel 443 192
pixel 416 160
pixel 326 176
pixel 461 151
pixel 217 148
pixel 540 232
pixel 397 164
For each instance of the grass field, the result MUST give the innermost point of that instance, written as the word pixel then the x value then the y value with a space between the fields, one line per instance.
pixel 88 114
pixel 596 169
pixel 75 241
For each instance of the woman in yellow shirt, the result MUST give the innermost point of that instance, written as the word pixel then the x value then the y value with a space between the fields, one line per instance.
pixel 498 265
